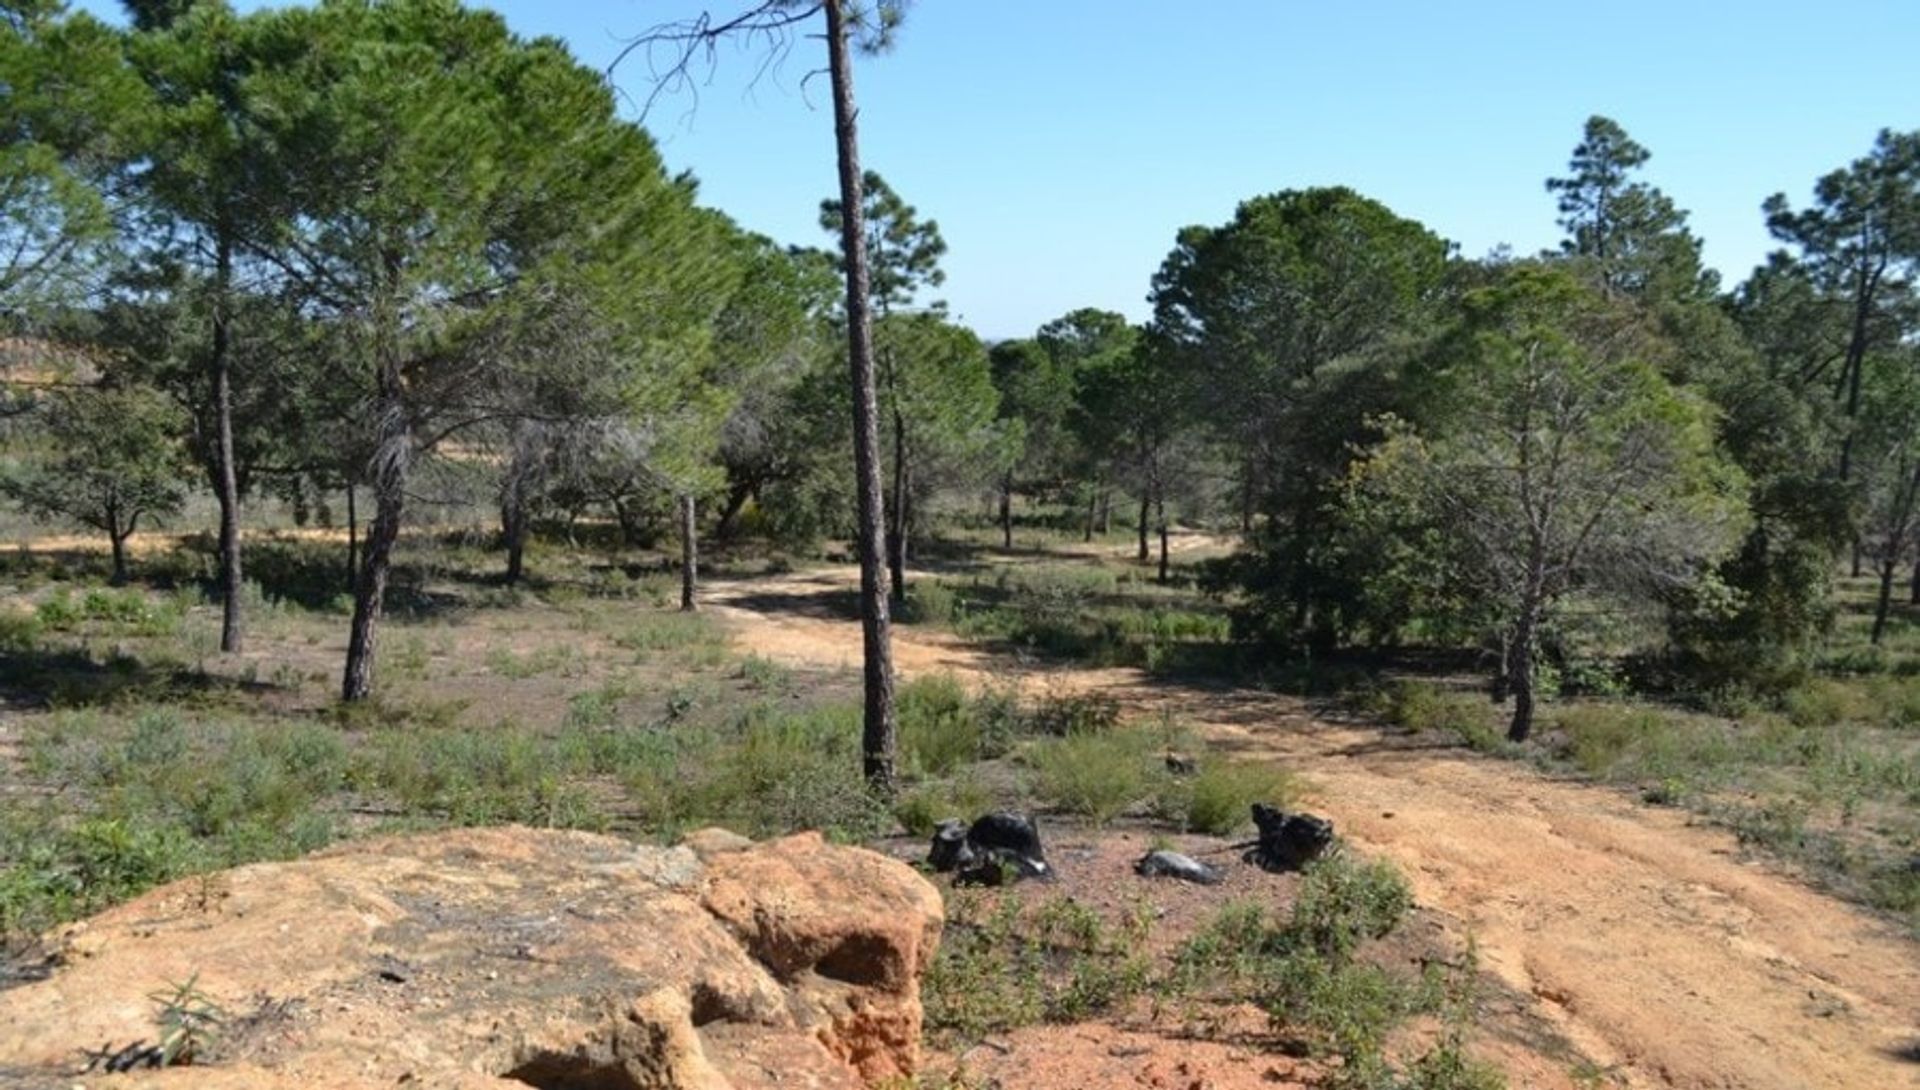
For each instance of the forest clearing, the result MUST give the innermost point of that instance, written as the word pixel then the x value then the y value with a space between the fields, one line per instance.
pixel 501 589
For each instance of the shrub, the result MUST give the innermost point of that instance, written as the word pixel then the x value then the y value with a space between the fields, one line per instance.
pixel 1096 775
pixel 1599 737
pixel 1218 798
pixel 1063 714
pixel 1823 703
pixel 939 729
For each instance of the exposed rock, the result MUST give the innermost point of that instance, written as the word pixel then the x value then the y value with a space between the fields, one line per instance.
pixel 1165 864
pixel 1288 841
pixel 503 959
pixel 713 840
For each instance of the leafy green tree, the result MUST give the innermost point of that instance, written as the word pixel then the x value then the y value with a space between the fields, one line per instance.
pixel 902 256
pixel 1890 475
pixel 851 26
pixel 1859 245
pixel 1567 466
pixel 1138 411
pixel 68 101
pixel 451 195
pixel 943 398
pixel 1631 234
pixel 1261 310
pixel 109 458
pixel 198 202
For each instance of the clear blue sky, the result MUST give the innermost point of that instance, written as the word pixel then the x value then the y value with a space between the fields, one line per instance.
pixel 1061 143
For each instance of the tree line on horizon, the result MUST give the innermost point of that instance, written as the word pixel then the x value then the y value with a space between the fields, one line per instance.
pixel 348 250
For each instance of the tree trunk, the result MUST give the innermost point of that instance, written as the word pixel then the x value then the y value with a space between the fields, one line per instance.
pixel 1106 511
pixel 738 494
pixel 226 480
pixel 878 732
pixel 119 539
pixel 513 533
pixel 370 594
pixel 1006 512
pixel 353 540
pixel 1093 508
pixel 1913 591
pixel 897 539
pixel 1889 568
pixel 1859 556
pixel 1520 679
pixel 689 556
pixel 1160 506
pixel 392 456
pixel 1145 552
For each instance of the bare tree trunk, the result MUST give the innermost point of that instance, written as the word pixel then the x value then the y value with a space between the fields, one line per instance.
pixel 879 729
pixel 1006 512
pixel 1520 677
pixel 1160 508
pixel 1093 507
pixel 897 539
pixel 513 533
pixel 353 540
pixel 1146 507
pixel 119 539
pixel 369 596
pixel 689 556
pixel 737 495
pixel 1888 569
pixel 392 457
pixel 1894 548
pixel 226 480
pixel 1106 511
pixel 1913 591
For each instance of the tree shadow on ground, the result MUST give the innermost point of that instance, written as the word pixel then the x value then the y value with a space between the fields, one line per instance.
pixel 74 678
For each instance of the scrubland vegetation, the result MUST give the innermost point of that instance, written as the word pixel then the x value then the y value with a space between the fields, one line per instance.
pixel 401 390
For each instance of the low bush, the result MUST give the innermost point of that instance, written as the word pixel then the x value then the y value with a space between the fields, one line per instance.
pixel 1218 798
pixel 1097 776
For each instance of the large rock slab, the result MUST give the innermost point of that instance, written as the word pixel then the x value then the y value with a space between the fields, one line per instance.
pixel 504 958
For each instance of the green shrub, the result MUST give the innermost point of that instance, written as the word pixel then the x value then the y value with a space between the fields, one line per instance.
pixel 1600 736
pixel 939 729
pixel 1098 776
pixel 1420 707
pixel 924 806
pixel 1063 714
pixel 1218 798
pixel 1823 703
pixel 19 630
pixel 930 602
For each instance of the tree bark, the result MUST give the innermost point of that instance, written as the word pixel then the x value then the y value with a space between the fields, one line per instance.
pixel 879 727
pixel 393 454
pixel 513 533
pixel 1145 552
pixel 1106 511
pixel 1889 568
pixel 370 594
pixel 119 539
pixel 897 539
pixel 353 540
pixel 1520 678
pixel 689 556
pixel 1093 507
pixel 1913 591
pixel 738 494
pixel 1006 512
pixel 1160 507
pixel 226 480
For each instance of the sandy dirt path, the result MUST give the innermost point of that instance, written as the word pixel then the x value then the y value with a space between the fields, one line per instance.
pixel 1650 942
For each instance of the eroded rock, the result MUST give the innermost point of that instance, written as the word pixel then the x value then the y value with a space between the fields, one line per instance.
pixel 507 958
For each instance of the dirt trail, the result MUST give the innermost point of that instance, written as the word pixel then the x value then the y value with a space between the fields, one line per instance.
pixel 1650 942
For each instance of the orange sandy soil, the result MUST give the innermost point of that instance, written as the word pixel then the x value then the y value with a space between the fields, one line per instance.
pixel 1650 942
